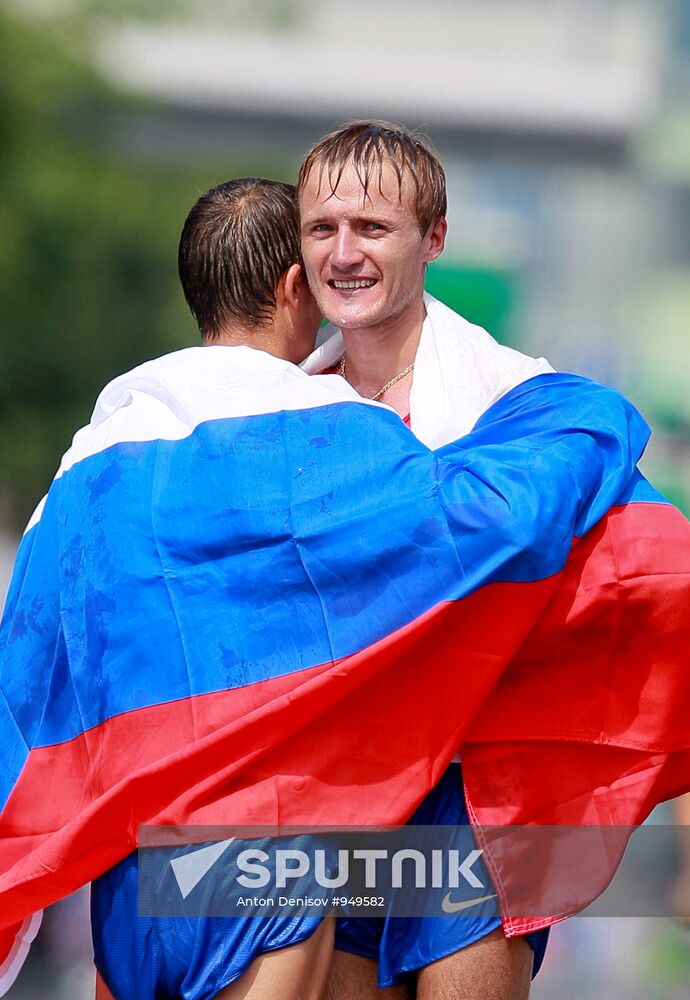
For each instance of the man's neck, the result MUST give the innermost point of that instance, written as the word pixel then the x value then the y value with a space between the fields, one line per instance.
pixel 261 338
pixel 375 355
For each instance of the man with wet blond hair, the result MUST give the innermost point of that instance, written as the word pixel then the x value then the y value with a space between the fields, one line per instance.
pixel 372 199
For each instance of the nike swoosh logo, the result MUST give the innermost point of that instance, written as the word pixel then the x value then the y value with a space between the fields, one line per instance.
pixel 448 906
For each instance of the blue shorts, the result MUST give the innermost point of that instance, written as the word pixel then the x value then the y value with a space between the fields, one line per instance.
pixel 142 958
pixel 403 945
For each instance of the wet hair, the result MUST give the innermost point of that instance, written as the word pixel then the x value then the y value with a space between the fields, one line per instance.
pixel 369 146
pixel 237 241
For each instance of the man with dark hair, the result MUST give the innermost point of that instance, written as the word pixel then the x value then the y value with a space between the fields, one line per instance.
pixel 239 265
pixel 372 200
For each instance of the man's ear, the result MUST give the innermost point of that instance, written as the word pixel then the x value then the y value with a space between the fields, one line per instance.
pixel 436 240
pixel 291 285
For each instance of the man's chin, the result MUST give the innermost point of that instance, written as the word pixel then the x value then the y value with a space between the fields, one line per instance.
pixel 350 315
pixel 347 319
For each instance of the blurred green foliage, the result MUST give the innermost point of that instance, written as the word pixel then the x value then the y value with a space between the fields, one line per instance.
pixel 88 282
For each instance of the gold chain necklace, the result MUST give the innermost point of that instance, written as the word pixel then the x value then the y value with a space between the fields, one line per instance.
pixel 388 385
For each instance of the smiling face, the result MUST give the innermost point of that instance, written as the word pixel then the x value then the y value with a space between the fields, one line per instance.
pixel 363 252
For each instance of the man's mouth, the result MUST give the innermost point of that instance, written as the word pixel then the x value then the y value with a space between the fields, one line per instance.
pixel 351 285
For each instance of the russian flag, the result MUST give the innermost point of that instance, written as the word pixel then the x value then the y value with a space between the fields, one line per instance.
pixel 250 597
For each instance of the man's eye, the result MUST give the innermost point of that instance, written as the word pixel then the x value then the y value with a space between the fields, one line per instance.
pixel 375 227
pixel 320 228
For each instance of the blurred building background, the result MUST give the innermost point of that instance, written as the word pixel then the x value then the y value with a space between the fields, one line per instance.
pixel 565 129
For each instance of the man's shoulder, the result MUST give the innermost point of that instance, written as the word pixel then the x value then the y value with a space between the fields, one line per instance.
pixel 473 354
pixel 460 371
pixel 148 377
pixel 169 396
pixel 193 382
pixel 456 333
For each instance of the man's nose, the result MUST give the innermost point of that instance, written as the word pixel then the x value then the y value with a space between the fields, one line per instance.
pixel 346 249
